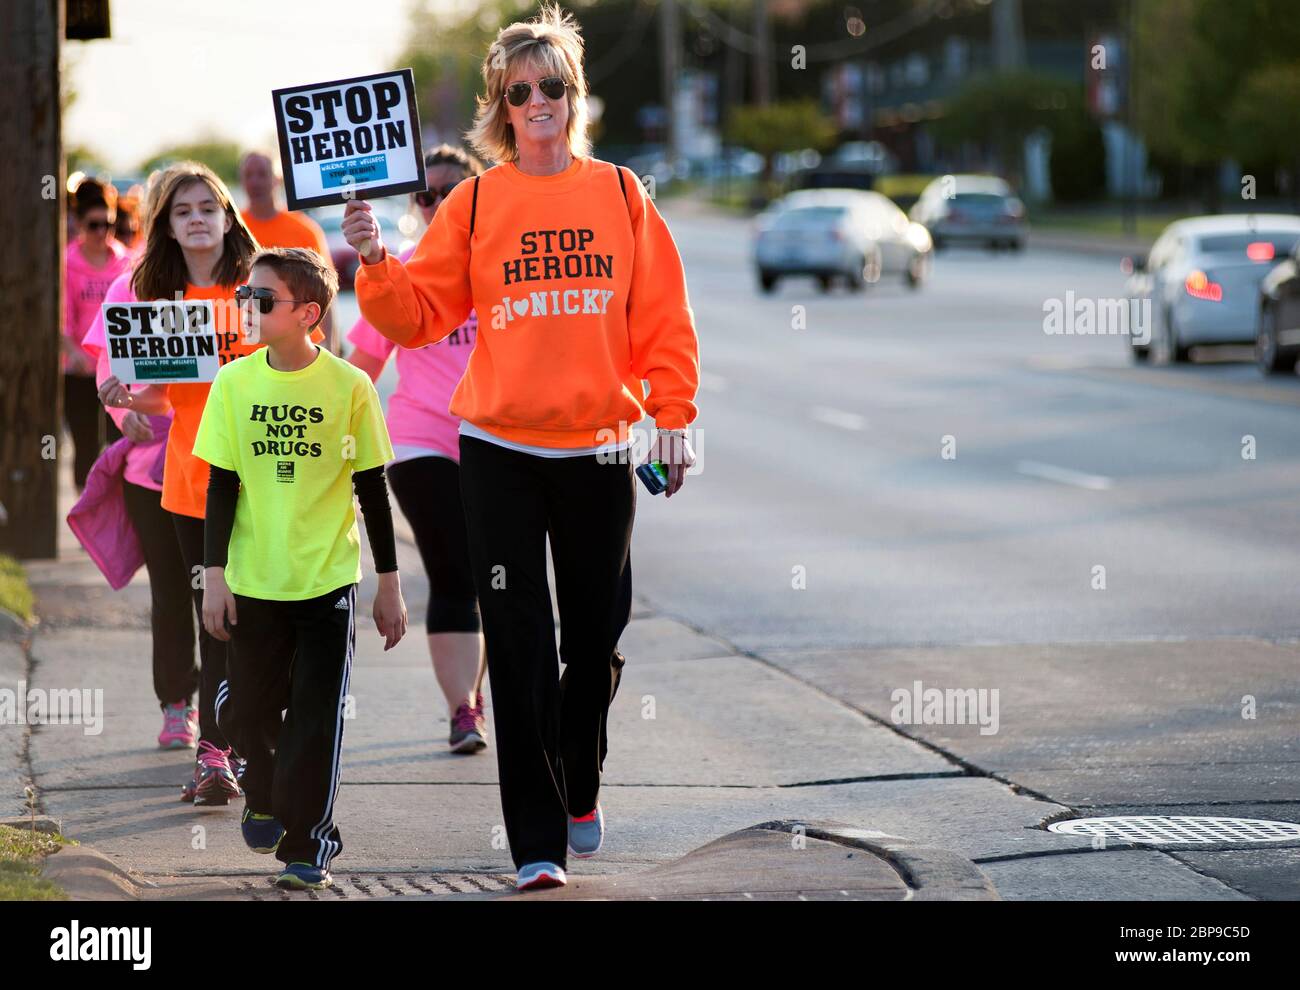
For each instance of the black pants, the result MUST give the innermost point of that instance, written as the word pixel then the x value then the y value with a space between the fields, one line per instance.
pixel 550 732
pixel 428 491
pixel 294 655
pixel 88 424
pixel 171 613
pixel 212 652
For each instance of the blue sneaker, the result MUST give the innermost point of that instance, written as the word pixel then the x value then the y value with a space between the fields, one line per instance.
pixel 303 876
pixel 539 876
pixel 262 833
pixel 587 833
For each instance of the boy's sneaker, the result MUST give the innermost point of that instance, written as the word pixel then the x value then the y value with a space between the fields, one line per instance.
pixel 539 876
pixel 587 833
pixel 468 732
pixel 214 782
pixel 262 833
pixel 180 726
pixel 303 876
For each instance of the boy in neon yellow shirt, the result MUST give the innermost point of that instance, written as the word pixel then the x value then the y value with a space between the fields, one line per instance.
pixel 289 433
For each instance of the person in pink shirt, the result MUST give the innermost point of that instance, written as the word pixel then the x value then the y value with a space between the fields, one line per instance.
pixel 92 261
pixel 175 665
pixel 425 478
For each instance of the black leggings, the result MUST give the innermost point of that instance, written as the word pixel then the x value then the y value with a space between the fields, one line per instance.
pixel 212 652
pixel 88 424
pixel 550 731
pixel 428 491
pixel 175 670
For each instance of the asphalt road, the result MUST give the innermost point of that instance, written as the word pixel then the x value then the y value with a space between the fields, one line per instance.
pixel 1094 549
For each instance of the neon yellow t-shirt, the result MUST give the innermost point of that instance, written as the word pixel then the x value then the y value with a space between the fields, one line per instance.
pixel 294 438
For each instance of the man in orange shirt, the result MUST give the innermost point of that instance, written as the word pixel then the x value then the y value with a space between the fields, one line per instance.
pixel 260 176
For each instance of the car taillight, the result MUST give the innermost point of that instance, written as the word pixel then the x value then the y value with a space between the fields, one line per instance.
pixel 955 214
pixel 835 235
pixel 1260 251
pixel 1199 286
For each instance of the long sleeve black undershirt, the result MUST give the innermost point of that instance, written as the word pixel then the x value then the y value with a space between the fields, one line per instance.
pixel 372 495
pixel 219 522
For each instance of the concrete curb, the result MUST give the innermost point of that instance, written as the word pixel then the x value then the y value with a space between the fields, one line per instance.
pixel 932 873
pixel 82 873
pixel 1098 245
pixel 760 863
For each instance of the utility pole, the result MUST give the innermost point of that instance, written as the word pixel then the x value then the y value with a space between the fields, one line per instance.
pixel 1008 36
pixel 670 47
pixel 763 56
pixel 31 284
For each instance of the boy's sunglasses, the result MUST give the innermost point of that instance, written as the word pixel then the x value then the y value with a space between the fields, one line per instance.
pixel 552 88
pixel 427 199
pixel 266 298
pixel 97 225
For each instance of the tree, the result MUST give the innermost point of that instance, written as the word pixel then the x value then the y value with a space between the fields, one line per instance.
pixel 219 154
pixel 790 125
pixel 1003 109
pixel 1266 120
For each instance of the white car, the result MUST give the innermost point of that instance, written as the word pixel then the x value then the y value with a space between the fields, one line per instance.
pixel 853 234
pixel 1203 278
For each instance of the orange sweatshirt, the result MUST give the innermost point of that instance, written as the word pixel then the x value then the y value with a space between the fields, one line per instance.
pixel 580 296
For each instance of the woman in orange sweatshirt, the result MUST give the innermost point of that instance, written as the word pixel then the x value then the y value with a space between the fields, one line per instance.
pixel 581 297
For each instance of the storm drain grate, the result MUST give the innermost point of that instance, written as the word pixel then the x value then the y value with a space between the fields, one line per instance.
pixel 1179 830
pixel 361 886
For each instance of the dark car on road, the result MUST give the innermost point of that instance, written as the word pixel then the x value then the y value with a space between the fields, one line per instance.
pixel 1277 341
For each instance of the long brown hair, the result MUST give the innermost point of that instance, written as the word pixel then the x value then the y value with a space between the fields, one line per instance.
pixel 161 272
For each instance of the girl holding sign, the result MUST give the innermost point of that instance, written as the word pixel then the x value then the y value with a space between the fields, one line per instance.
pixel 175 672
pixel 425 478
pixel 197 247
pixel 580 296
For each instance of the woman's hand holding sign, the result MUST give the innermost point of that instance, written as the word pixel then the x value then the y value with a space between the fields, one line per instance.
pixel 361 230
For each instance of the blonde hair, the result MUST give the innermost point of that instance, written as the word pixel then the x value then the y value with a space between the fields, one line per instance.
pixel 552 40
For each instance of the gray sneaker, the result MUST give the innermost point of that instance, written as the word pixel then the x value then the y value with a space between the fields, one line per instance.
pixel 468 732
pixel 587 833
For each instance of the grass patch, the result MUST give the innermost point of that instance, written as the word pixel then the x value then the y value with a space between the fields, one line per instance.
pixel 21 853
pixel 15 592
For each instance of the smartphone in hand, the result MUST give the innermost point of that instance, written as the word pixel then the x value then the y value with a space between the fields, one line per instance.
pixel 654 475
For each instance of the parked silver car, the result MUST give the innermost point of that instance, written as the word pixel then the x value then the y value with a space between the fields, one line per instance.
pixel 856 235
pixel 978 209
pixel 1203 278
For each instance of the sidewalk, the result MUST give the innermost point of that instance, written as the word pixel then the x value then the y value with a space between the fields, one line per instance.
pixel 723 779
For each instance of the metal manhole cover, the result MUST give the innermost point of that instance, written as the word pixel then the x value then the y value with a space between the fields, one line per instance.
pixel 1177 830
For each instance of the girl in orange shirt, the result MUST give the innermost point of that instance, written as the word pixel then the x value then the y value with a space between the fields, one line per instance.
pixel 197 247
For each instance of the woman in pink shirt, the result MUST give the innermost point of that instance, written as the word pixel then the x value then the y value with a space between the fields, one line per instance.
pixel 425 478
pixel 92 261
pixel 175 666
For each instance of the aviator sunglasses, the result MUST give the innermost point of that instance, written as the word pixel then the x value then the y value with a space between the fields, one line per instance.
pixel 426 199
pixel 552 88
pixel 266 298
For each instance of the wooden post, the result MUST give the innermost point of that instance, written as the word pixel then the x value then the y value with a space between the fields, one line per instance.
pixel 31 278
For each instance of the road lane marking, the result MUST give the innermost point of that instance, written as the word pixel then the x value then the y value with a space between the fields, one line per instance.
pixel 838 417
pixel 1050 472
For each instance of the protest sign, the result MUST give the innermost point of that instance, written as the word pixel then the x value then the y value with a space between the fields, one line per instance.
pixel 162 343
pixel 349 139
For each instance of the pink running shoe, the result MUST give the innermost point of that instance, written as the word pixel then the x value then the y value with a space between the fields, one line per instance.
pixel 180 726
pixel 214 782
